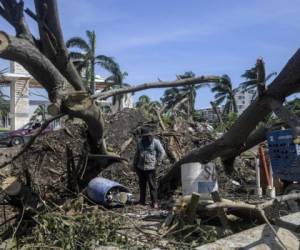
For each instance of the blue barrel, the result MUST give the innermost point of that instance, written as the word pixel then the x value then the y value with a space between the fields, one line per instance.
pixel 99 187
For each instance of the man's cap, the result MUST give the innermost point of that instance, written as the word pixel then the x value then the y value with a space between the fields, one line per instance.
pixel 145 131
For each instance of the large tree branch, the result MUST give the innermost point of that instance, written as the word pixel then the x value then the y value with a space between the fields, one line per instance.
pixel 236 139
pixel 25 53
pixel 161 84
pixel 52 41
pixel 13 13
pixel 78 104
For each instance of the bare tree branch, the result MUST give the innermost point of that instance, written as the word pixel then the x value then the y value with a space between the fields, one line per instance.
pixel 161 84
pixel 53 41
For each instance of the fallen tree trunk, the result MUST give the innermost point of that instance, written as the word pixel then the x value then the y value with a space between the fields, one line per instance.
pixel 239 138
pixel 162 84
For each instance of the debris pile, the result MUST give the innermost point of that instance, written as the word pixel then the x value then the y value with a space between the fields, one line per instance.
pixel 177 138
pixel 43 166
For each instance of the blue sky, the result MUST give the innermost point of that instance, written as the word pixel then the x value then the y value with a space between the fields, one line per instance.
pixel 159 39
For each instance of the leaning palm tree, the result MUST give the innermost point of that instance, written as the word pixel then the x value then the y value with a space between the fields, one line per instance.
pixel 189 92
pixel 183 97
pixel 224 92
pixel 85 58
pixel 251 76
pixel 143 101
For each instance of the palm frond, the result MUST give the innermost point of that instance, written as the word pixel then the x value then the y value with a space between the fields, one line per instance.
pixel 2 71
pixel 202 85
pixel 220 94
pixel 218 88
pixel 78 42
pixel 250 74
pixel 108 63
pixel 226 81
pixel 80 65
pixel 249 83
pixel 270 76
pixel 92 38
pixel 76 56
pixel 111 78
pixel 188 74
pixel 219 100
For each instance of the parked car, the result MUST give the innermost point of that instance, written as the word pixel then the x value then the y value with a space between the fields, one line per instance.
pixel 19 136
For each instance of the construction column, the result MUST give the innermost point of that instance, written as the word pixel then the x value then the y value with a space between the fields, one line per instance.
pixel 19 100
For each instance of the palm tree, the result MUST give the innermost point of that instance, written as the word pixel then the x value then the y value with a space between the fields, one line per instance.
pixel 86 59
pixel 251 76
pixel 39 113
pixel 144 100
pixel 189 91
pixel 224 92
pixel 149 108
pixel 183 97
pixel 170 98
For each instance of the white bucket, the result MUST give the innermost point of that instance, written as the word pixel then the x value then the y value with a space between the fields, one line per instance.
pixel 200 178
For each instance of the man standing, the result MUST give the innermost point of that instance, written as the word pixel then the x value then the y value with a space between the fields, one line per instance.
pixel 148 156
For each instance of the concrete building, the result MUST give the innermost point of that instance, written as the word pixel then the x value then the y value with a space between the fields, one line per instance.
pixel 244 98
pixel 209 115
pixel 21 107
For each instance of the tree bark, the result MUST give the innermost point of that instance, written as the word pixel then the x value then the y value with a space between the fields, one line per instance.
pixel 215 109
pixel 47 61
pixel 38 65
pixel 52 41
pixel 14 15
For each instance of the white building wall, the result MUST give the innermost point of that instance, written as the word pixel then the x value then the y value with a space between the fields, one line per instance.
pixel 244 98
pixel 127 102
pixel 209 114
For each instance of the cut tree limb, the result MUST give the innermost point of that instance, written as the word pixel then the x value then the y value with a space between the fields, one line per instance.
pixel 261 206
pixel 221 212
pixel 191 209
